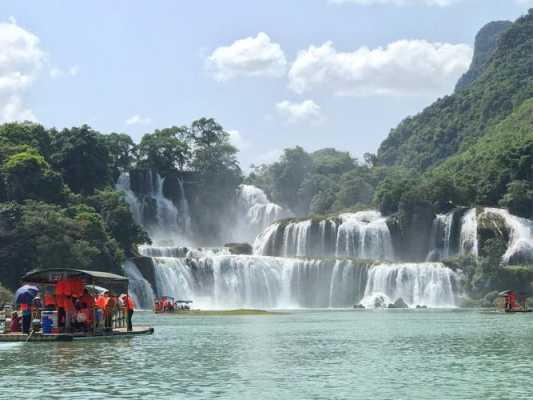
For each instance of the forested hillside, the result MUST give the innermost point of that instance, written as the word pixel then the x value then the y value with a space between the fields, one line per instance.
pixel 58 204
pixel 472 148
pixel 455 122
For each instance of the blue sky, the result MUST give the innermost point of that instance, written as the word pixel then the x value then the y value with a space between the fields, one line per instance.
pixel 318 73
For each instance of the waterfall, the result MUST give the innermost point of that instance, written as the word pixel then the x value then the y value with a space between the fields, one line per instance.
pixel 427 284
pixel 139 289
pixel 468 242
pixel 363 235
pixel 157 214
pixel 185 217
pixel 440 237
pixel 260 282
pixel 255 213
pixel 520 246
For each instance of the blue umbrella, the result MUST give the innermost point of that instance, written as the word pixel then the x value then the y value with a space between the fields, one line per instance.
pixel 25 294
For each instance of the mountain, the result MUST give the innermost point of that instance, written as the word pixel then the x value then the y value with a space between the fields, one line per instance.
pixel 454 123
pixel 485 46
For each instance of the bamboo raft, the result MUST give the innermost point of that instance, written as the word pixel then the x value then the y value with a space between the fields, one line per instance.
pixel 69 337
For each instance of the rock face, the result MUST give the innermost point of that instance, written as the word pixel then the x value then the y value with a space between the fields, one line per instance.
pixel 486 43
pixel 146 267
pixel 239 248
pixel 400 303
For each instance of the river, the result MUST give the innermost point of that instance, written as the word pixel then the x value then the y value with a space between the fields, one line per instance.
pixel 313 354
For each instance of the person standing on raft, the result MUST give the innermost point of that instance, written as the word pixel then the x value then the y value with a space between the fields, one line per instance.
pixel 130 305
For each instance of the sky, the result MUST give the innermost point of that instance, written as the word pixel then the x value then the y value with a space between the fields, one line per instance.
pixel 274 73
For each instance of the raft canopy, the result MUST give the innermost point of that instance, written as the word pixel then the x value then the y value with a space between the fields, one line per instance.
pixel 54 275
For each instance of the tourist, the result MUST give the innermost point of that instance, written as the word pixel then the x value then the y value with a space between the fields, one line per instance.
pixel 109 308
pixel 88 313
pixel 130 305
pixel 80 323
pixel 15 322
pixel 26 318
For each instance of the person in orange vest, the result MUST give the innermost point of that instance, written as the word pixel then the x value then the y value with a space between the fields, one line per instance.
pixel 110 304
pixel 130 305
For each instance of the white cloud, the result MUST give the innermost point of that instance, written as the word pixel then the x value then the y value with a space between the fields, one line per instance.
pixel 56 72
pixel 237 140
pixel 439 3
pixel 306 111
pixel 252 56
pixel 405 67
pixel 21 59
pixel 138 120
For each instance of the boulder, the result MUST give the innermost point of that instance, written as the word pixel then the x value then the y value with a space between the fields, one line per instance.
pixel 400 303
pixel 239 248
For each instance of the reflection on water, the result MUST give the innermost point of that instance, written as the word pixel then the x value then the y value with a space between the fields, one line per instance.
pixel 303 355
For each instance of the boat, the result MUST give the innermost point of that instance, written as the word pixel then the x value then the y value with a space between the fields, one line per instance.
pixel 167 304
pixel 46 328
pixel 509 302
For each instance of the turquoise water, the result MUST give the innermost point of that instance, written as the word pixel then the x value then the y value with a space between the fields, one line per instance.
pixel 392 354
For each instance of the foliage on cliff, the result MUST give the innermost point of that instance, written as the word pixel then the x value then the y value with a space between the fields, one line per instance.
pixel 485 46
pixel 454 123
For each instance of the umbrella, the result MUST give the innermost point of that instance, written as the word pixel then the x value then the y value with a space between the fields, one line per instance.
pixel 26 294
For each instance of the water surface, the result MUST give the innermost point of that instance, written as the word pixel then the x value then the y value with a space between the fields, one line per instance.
pixel 378 355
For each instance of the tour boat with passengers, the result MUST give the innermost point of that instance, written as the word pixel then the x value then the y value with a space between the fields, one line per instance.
pixel 70 304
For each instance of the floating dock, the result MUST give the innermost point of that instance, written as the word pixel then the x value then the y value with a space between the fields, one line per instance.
pixel 69 337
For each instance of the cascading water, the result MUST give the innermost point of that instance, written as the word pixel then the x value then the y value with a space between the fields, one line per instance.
pixel 362 235
pixel 520 246
pixel 138 287
pixel 261 282
pixel 255 213
pixel 427 284
pixel 468 242
pixel 214 279
pixel 440 239
pixel 157 214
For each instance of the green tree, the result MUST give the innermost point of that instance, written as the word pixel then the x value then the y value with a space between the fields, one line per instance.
pixel 118 219
pixel 288 175
pixel 353 189
pixel 83 159
pixel 122 152
pixel 28 176
pixel 519 198
pixel 390 190
pixel 165 150
pixel 26 134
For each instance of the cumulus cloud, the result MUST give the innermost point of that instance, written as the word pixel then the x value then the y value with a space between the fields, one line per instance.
pixel 237 140
pixel 252 56
pixel 405 67
pixel 138 120
pixel 21 59
pixel 439 3
pixel 56 72
pixel 306 111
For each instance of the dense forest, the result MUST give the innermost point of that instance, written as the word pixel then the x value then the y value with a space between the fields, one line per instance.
pixel 59 206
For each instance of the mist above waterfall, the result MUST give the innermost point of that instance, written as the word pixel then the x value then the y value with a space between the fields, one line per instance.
pixel 164 221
